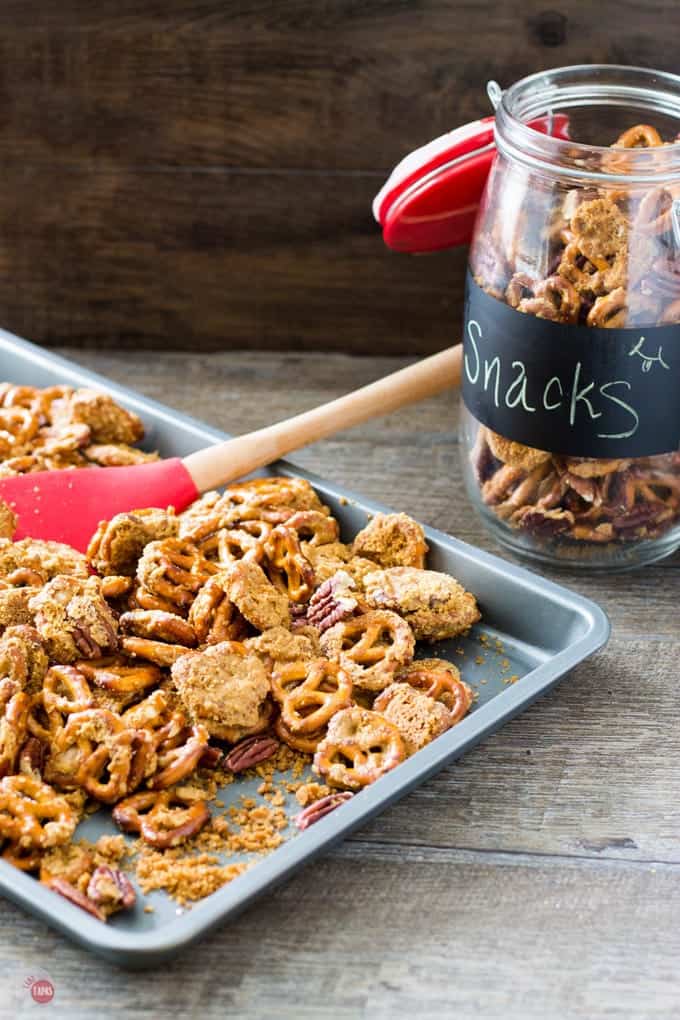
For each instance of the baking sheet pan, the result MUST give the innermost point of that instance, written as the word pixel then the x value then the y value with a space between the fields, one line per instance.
pixel 531 629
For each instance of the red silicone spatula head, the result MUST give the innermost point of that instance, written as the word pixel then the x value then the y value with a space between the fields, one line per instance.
pixel 67 506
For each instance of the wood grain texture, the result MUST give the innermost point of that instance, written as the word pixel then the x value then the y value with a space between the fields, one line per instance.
pixel 202 261
pixel 535 879
pixel 198 175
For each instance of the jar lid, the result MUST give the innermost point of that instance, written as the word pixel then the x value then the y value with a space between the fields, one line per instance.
pixel 430 199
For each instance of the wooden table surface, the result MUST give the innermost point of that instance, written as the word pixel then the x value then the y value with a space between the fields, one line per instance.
pixel 536 878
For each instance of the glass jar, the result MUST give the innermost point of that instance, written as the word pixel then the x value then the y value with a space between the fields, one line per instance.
pixel 571 378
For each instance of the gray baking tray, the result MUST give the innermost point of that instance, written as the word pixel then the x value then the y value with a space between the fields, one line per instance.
pixel 544 630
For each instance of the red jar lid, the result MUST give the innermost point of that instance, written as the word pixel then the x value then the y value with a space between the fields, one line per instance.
pixel 431 198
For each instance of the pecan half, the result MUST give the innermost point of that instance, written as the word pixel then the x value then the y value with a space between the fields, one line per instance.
pixel 332 602
pixel 251 751
pixel 313 812
pixel 69 892
pixel 111 889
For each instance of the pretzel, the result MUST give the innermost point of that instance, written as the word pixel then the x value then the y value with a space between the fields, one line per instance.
pixel 95 742
pixel 439 680
pixel 165 818
pixel 520 288
pixel 160 626
pixel 65 691
pixel 314 527
pixel 177 757
pixel 640 136
pixel 214 616
pixel 25 858
pixel 141 598
pixel 113 674
pixel 286 566
pixel 14 709
pixel 33 815
pixel 173 569
pixel 158 652
pixel 370 647
pixel 360 746
pixel 18 425
pixel 272 499
pixel 243 542
pixel 158 636
pixel 610 311
pixel 555 299
pixel 307 743
pixel 32 757
pixel 310 693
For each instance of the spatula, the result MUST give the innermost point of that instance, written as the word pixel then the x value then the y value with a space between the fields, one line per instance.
pixel 66 506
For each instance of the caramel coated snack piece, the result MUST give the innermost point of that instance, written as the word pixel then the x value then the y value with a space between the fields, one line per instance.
pixel 418 717
pixel 392 540
pixel 225 687
pixel 260 602
pixel 434 605
pixel 360 746
pixel 74 620
pixel 117 545
pixel 371 647
pixel 46 558
pixel 516 454
pixel 280 645
pixel 108 421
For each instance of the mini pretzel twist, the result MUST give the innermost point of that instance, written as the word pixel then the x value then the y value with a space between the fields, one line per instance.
pixel 14 709
pixel 164 818
pixel 314 527
pixel 33 815
pixel 178 757
pixel 214 616
pixel 360 747
pixel 158 636
pixel 173 569
pixel 555 299
pixel 65 691
pixel 310 693
pixel 270 499
pixel 610 311
pixel 640 136
pixel 307 743
pixel 113 674
pixel 94 743
pixel 441 681
pixel 370 647
pixel 286 566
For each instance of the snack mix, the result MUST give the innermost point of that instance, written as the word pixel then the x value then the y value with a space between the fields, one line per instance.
pixel 241 637
pixel 608 260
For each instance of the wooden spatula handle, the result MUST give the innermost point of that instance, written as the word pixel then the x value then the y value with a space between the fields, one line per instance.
pixel 237 457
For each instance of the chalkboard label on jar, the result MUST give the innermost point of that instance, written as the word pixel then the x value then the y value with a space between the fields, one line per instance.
pixel 575 390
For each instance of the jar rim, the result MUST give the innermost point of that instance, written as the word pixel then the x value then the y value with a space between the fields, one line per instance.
pixel 577 85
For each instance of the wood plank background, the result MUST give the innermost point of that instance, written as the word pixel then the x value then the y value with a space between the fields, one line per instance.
pixel 198 174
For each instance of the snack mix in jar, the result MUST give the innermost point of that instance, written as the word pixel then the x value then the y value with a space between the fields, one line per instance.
pixel 572 325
